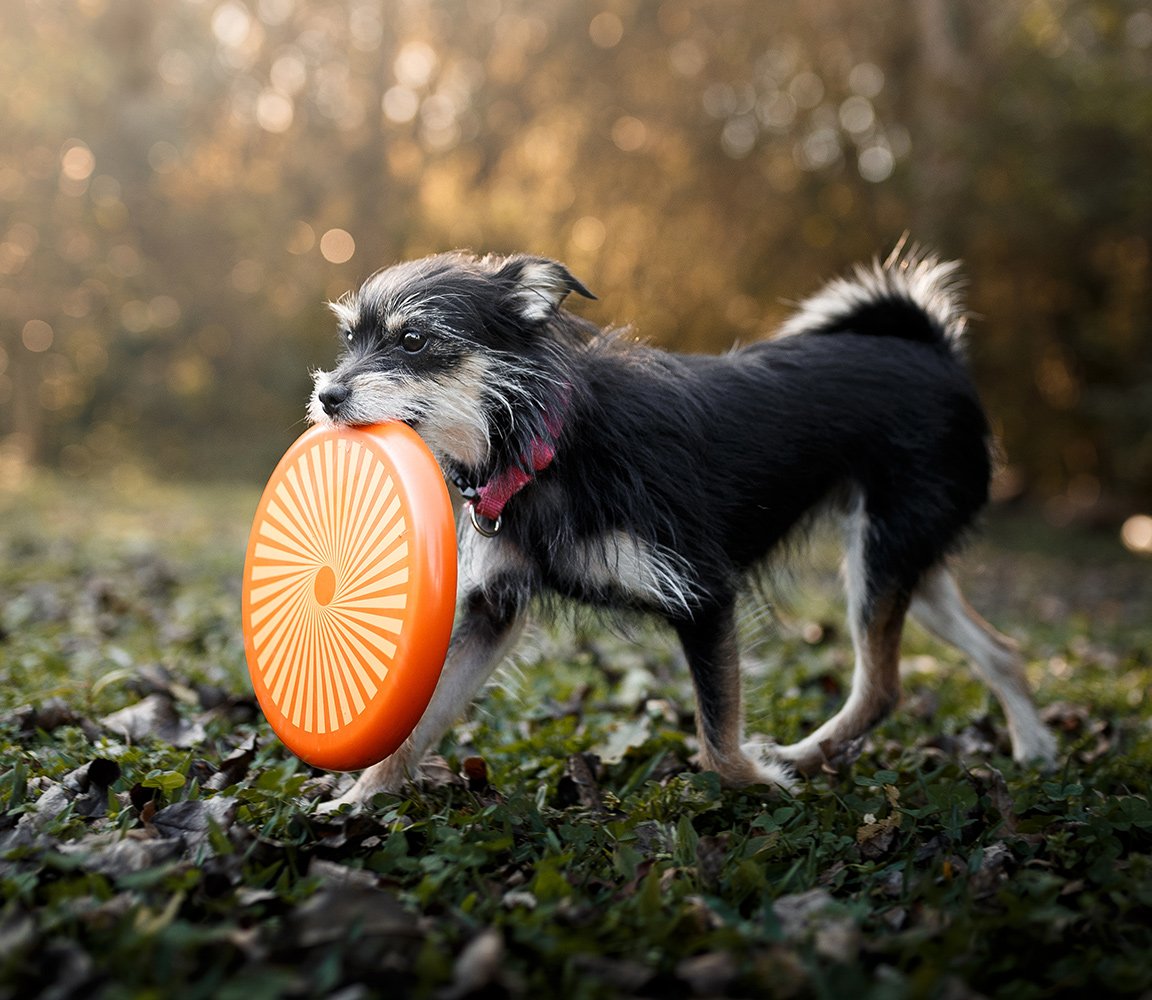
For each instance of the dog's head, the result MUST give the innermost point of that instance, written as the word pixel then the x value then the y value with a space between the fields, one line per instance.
pixel 446 344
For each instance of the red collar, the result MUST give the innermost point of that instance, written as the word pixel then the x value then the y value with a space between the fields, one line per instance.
pixel 486 503
pixel 492 497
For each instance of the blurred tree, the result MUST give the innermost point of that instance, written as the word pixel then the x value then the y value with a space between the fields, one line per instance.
pixel 182 185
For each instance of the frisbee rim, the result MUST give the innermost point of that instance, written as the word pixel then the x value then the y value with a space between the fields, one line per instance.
pixel 402 695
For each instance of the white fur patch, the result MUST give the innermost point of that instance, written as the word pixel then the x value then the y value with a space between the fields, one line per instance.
pixel 621 563
pixel 926 281
pixel 482 560
pixel 347 310
pixel 540 292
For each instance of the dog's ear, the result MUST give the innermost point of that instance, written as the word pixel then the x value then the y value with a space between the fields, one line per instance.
pixel 536 286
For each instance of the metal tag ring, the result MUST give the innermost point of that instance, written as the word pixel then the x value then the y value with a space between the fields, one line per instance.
pixel 488 528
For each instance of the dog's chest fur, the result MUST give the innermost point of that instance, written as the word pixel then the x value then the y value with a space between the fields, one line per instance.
pixel 612 569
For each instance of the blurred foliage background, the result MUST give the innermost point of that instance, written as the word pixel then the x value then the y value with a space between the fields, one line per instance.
pixel 183 183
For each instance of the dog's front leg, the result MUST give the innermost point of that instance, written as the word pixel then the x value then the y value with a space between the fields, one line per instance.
pixel 711 645
pixel 485 632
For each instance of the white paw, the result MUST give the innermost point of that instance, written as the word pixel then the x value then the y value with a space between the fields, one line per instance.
pixel 805 756
pixel 388 776
pixel 770 768
pixel 331 806
pixel 1038 748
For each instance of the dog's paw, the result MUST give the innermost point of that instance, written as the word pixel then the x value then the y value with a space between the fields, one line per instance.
pixel 810 757
pixel 1037 748
pixel 758 765
pixel 332 806
pixel 805 758
pixel 775 773
pixel 350 801
pixel 388 776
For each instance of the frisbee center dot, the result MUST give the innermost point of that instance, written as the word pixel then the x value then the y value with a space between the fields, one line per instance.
pixel 324 585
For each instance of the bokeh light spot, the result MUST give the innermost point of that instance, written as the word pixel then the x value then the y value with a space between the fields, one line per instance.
pixel 400 104
pixel 37 336
pixel 415 64
pixel 606 29
pixel 231 24
pixel 302 240
pixel 1136 534
pixel 629 134
pixel 337 246
pixel 866 79
pixel 77 162
pixel 876 163
pixel 274 111
pixel 588 234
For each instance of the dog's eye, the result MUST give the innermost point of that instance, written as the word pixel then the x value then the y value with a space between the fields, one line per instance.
pixel 413 342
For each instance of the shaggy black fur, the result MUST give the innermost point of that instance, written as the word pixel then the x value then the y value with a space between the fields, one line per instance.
pixel 675 476
pixel 714 458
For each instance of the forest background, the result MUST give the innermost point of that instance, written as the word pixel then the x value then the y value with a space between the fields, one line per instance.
pixel 184 184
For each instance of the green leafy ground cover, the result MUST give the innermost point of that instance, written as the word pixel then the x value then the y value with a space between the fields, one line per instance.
pixel 156 839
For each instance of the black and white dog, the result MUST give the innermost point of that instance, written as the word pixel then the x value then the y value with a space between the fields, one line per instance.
pixel 629 478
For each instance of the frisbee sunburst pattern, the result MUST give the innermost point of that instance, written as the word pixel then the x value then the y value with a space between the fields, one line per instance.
pixel 328 585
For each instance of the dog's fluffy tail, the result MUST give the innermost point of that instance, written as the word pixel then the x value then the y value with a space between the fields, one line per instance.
pixel 914 295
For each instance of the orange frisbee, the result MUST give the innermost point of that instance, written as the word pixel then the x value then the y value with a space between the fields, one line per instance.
pixel 349 592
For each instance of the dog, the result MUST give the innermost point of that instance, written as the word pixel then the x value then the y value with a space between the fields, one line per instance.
pixel 600 470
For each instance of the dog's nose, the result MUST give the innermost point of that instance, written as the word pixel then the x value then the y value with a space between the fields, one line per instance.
pixel 332 396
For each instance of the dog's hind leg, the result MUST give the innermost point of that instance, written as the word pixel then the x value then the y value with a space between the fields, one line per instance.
pixel 875 687
pixel 876 617
pixel 484 634
pixel 940 607
pixel 713 653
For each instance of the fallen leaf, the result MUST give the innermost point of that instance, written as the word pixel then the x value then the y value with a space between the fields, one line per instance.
pixel 48 716
pixel 339 876
pixel 625 975
pixel 995 861
pixel 16 933
pixel 1066 717
pixel 700 916
pixel 115 855
pixel 335 913
pixel 193 820
pixel 519 898
pixel 782 971
pixel 73 969
pixel 85 789
pixel 708 975
pixel 155 717
pixel 877 837
pixel 838 939
pixel 435 772
pixel 478 965
pixel 234 768
pixel 624 736
pixel 797 911
pixel 578 785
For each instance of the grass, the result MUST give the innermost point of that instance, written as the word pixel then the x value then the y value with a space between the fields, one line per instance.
pixel 155 838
